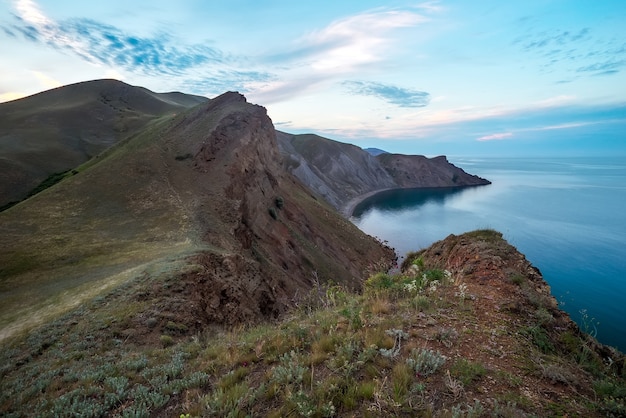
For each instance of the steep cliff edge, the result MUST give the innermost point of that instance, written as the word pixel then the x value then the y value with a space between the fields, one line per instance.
pixel 344 173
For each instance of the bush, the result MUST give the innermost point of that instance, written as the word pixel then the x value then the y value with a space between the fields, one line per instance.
pixel 425 362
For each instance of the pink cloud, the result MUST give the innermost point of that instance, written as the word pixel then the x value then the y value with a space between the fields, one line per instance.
pixel 495 137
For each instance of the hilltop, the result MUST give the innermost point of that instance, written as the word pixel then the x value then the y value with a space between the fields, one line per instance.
pixel 57 130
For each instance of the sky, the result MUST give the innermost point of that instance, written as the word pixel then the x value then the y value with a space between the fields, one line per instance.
pixel 454 77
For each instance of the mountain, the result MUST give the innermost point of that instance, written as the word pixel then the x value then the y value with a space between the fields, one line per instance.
pixel 344 173
pixel 57 130
pixel 375 151
pixel 202 196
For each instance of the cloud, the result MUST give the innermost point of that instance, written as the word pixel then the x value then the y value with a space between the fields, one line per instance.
pixel 495 137
pixel 580 51
pixel 226 80
pixel 555 39
pixel 321 57
pixel 105 44
pixel 399 96
pixel 350 42
pixel 603 68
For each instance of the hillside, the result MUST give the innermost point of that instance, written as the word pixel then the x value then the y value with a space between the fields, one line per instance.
pixel 343 173
pixel 468 328
pixel 203 192
pixel 57 130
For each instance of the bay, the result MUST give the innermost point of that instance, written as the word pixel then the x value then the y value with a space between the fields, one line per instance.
pixel 567 215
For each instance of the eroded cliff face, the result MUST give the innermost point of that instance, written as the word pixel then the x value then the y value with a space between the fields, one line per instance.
pixel 343 173
pixel 274 239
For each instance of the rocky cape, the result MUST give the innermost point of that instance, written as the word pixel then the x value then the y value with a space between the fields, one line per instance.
pixel 344 174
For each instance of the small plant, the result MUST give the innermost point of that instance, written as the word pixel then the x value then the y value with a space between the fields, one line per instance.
pixel 279 202
pixel 462 293
pixel 398 335
pixel 447 336
pixel 467 371
pixel 588 325
pixel 454 386
pixel 183 157
pixel 425 362
pixel 289 371
pixel 540 338
pixel 273 213
pixel 166 340
pixel 175 328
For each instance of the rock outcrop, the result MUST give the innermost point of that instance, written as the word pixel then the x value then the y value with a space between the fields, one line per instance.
pixel 344 173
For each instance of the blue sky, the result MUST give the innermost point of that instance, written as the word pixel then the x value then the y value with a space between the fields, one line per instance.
pixel 455 77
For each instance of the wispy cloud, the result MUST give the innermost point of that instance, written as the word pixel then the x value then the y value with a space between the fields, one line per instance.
pixel 554 39
pixel 105 44
pixel 603 68
pixel 399 96
pixel 350 42
pixel 496 137
pixel 338 50
pixel 575 47
pixel 355 40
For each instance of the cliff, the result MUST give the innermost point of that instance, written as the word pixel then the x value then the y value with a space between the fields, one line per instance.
pixel 205 190
pixel 343 173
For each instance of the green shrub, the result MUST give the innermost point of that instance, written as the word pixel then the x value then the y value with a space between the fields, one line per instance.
pixel 467 371
pixel 424 361
pixel 166 340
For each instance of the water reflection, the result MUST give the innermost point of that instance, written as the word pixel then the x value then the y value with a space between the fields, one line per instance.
pixel 398 200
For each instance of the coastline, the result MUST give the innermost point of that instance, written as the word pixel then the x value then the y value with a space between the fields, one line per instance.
pixel 348 209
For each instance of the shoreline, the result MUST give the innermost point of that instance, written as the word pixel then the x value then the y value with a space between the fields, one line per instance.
pixel 348 209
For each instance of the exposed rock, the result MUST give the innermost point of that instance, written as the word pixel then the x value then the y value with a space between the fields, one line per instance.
pixel 344 173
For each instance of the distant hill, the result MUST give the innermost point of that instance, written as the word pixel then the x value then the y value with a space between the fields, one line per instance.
pixel 375 151
pixel 57 130
pixel 344 173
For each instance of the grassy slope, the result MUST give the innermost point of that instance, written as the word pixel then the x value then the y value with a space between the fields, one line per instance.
pixel 59 246
pixel 59 129
pixel 421 343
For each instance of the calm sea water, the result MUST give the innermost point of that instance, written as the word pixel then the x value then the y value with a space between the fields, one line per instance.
pixel 568 216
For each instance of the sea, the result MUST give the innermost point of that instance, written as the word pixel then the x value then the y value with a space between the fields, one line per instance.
pixel 566 215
